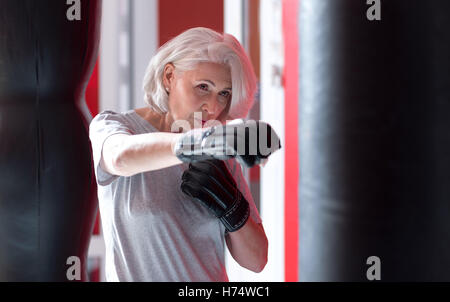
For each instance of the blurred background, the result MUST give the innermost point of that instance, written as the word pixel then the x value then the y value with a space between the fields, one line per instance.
pixel 132 31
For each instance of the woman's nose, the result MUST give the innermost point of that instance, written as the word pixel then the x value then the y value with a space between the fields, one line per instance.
pixel 211 107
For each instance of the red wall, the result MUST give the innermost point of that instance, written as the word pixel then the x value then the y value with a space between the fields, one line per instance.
pixel 175 16
pixel 290 33
pixel 92 101
pixel 92 88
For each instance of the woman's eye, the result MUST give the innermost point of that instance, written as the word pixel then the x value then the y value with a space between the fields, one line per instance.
pixel 225 97
pixel 203 87
pixel 225 94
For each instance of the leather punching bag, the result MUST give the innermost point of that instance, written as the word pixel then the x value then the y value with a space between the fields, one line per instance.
pixel 48 194
pixel 374 141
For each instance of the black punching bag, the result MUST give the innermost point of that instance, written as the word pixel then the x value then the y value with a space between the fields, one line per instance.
pixel 374 141
pixel 47 184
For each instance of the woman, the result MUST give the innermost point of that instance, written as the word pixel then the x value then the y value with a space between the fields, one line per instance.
pixel 154 230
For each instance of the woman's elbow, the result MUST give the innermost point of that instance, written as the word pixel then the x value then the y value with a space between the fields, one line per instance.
pixel 260 265
pixel 261 258
pixel 120 165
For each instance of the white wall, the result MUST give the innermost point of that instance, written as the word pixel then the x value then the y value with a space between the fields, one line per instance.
pixel 129 39
pixel 272 111
pixel 145 31
pixel 108 55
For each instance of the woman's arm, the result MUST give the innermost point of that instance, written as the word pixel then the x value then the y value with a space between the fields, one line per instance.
pixel 249 246
pixel 126 155
pixel 211 184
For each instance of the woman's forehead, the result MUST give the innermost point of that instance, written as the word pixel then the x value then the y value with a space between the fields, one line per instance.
pixel 217 73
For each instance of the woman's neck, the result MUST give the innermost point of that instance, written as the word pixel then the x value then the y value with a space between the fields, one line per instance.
pixel 162 122
pixel 166 121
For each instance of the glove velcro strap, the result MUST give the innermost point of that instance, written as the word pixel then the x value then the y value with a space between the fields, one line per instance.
pixel 235 217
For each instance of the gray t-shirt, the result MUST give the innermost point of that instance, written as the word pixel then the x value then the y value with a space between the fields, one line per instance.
pixel 152 231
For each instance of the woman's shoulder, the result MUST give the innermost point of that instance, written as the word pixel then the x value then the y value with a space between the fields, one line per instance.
pixel 139 119
pixel 109 116
pixel 109 121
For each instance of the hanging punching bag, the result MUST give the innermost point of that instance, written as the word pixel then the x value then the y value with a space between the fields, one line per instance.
pixel 47 185
pixel 374 141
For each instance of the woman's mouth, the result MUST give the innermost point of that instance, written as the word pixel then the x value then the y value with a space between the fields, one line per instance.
pixel 200 122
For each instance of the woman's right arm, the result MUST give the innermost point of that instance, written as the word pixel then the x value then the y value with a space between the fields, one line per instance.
pixel 126 155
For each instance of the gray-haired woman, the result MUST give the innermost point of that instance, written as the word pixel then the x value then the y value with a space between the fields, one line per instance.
pixel 164 219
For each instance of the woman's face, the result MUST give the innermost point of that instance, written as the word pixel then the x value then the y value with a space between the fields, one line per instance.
pixel 205 90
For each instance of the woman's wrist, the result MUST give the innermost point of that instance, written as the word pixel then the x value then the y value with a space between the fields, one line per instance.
pixel 175 138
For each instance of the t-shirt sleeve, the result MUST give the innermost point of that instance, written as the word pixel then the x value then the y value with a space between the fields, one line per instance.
pixel 236 171
pixel 104 125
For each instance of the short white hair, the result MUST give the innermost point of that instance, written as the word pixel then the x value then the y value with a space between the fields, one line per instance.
pixel 197 45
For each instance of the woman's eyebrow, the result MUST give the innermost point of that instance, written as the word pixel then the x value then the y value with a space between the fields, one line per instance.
pixel 212 83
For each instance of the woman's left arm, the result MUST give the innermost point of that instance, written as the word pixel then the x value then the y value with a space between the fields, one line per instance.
pixel 211 183
pixel 249 246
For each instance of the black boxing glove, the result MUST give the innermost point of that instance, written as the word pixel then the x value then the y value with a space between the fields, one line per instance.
pixel 250 142
pixel 210 183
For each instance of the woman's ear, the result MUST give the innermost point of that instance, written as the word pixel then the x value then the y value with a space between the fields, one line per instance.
pixel 168 76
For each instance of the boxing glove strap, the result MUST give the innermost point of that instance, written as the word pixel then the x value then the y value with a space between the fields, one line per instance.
pixel 235 217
